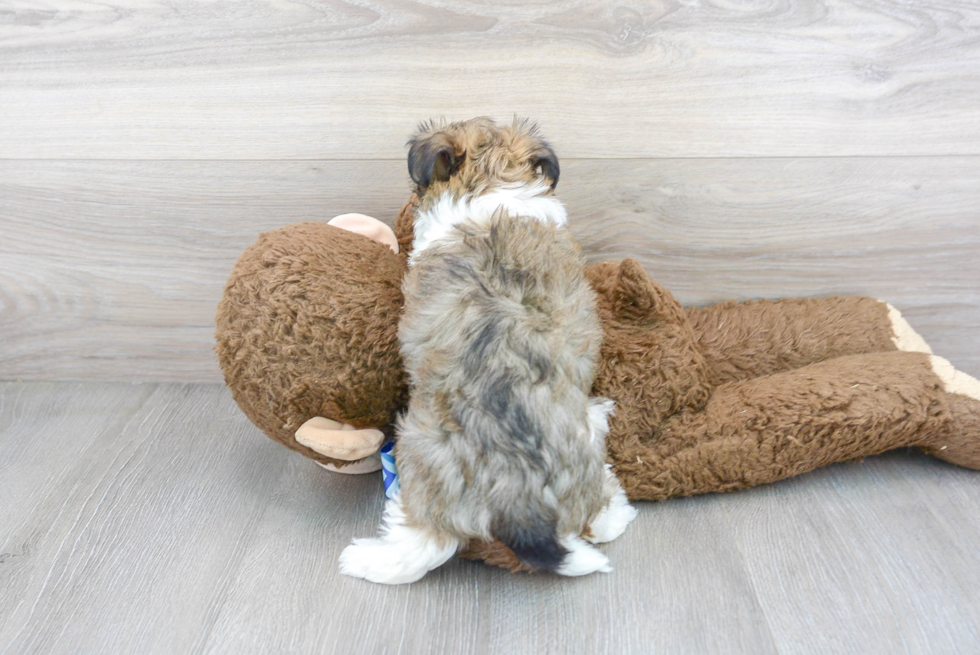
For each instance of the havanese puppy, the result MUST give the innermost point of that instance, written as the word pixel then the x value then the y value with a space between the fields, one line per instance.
pixel 500 339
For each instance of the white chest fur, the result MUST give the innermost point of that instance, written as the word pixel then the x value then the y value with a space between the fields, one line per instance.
pixel 437 222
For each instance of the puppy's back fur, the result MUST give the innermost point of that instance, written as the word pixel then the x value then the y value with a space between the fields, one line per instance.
pixel 501 339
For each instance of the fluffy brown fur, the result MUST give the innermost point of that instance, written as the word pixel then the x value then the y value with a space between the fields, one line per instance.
pixel 501 339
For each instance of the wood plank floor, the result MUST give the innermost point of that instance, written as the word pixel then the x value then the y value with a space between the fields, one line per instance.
pixel 153 518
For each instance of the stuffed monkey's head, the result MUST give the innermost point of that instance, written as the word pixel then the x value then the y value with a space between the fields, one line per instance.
pixel 307 329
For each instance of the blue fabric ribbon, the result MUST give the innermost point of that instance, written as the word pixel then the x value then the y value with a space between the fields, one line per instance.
pixel 389 473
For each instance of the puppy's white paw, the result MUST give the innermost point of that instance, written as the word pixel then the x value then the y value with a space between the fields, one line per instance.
pixel 612 520
pixel 403 554
pixel 582 558
pixel 379 561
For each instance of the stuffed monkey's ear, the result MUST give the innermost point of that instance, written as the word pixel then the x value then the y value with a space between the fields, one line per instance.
pixel 639 299
pixel 546 164
pixel 431 158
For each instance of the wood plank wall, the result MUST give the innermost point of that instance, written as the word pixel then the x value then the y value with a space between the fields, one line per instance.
pixel 739 149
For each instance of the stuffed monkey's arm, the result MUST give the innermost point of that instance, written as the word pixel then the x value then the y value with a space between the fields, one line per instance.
pixel 741 341
pixel 746 340
pixel 762 430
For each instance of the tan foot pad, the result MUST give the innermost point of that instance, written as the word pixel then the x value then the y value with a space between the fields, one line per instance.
pixel 955 381
pixel 905 338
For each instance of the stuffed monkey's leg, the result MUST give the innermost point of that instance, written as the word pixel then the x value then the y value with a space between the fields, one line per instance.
pixel 746 340
pixel 768 429
pixel 774 427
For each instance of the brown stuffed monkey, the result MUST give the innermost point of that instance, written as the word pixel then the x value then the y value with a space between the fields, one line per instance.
pixel 707 399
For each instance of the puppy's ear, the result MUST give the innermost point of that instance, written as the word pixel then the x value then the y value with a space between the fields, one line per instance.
pixel 547 163
pixel 431 158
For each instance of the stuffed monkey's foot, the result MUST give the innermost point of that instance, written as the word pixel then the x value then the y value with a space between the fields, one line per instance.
pixel 905 338
pixel 960 443
pixel 955 381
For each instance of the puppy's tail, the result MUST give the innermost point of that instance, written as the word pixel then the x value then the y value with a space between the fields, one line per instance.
pixel 538 546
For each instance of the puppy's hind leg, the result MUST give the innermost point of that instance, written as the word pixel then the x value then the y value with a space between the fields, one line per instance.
pixel 617 513
pixel 597 417
pixel 615 516
pixel 400 555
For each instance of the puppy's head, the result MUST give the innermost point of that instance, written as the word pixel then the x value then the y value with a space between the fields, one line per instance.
pixel 475 156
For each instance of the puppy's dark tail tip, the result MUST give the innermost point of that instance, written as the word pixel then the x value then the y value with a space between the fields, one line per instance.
pixel 536 546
